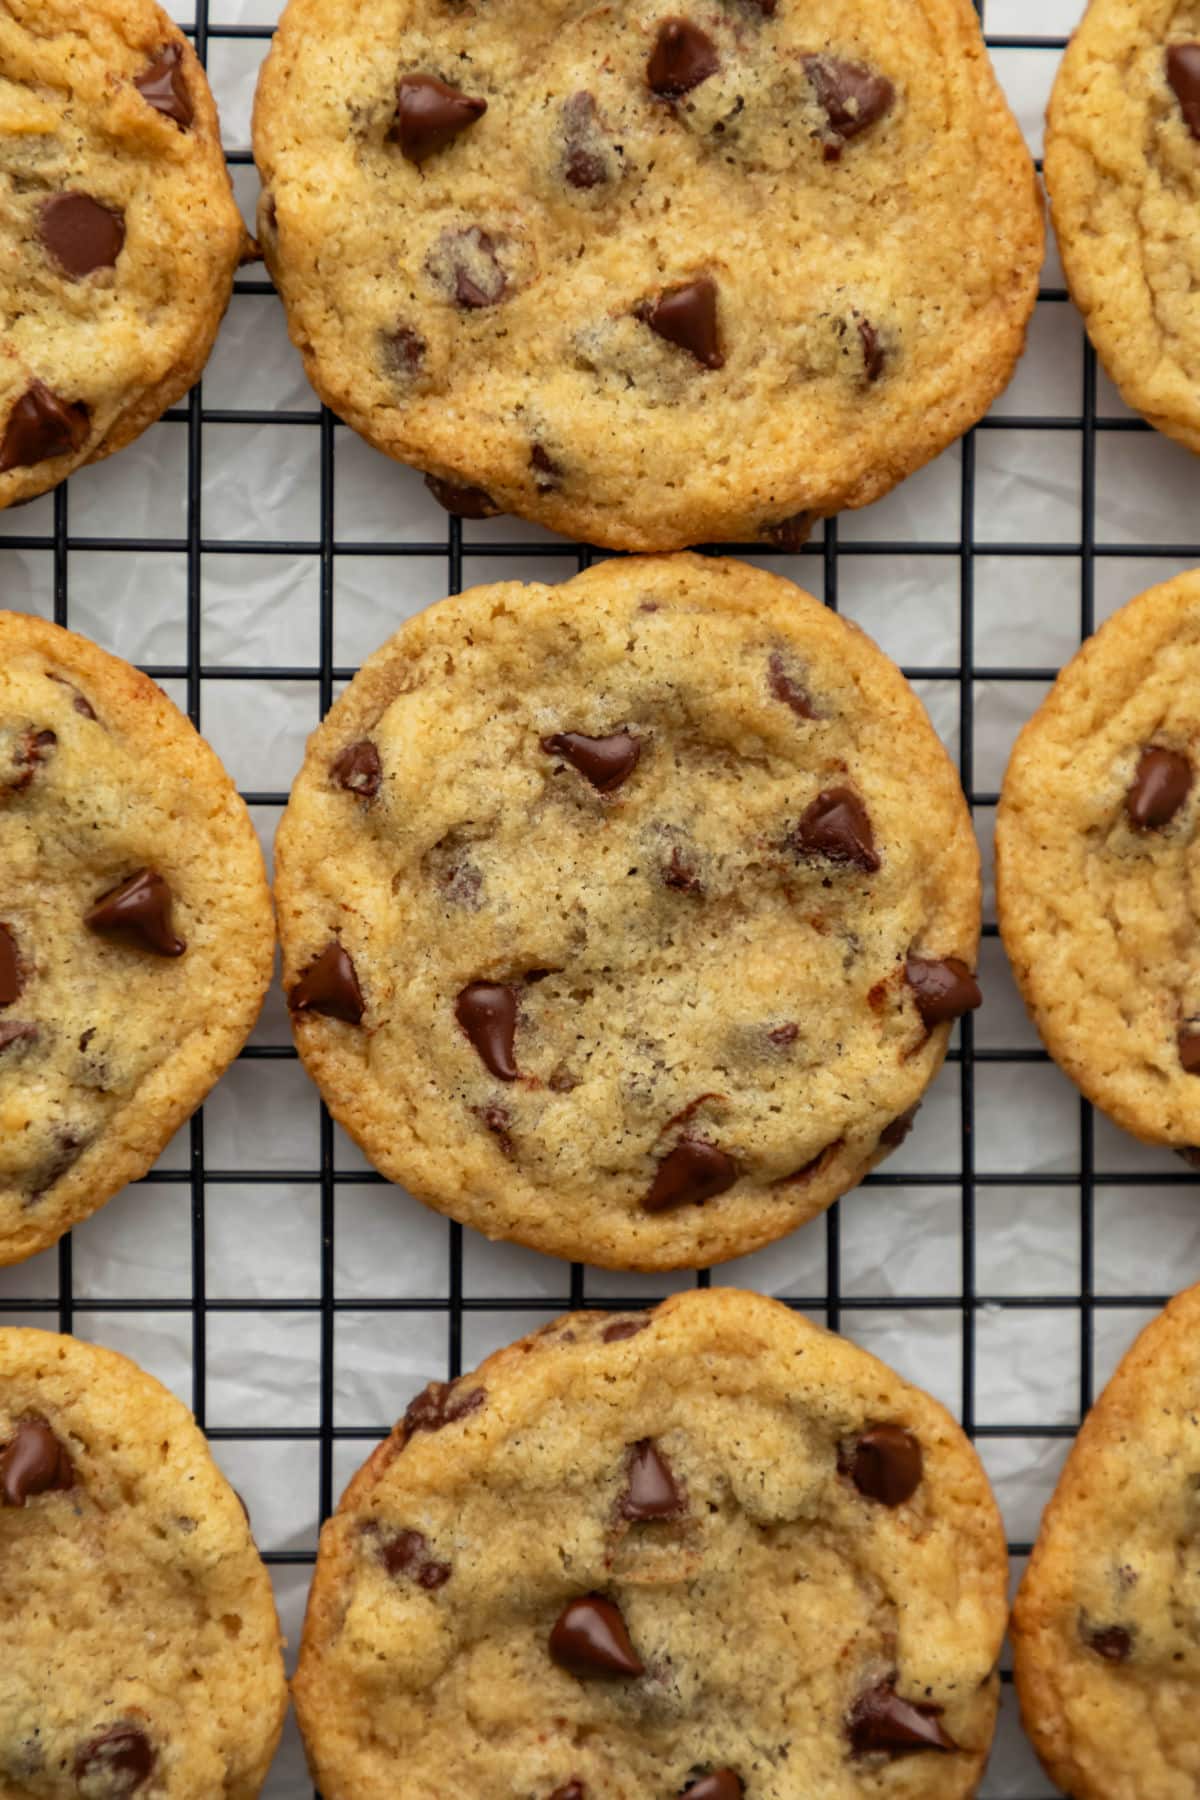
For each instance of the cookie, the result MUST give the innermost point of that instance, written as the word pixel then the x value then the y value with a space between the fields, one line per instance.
pixel 139 1647
pixel 120 230
pixel 1104 1631
pixel 650 275
pixel 628 918
pixel 1097 860
pixel 709 1551
pixel 136 932
pixel 1123 171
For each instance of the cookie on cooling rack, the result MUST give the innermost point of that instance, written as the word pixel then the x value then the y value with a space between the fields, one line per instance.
pixel 651 274
pixel 709 1551
pixel 628 918
pixel 1096 854
pixel 136 933
pixel 1123 171
pixel 120 231
pixel 139 1647
pixel 1107 1657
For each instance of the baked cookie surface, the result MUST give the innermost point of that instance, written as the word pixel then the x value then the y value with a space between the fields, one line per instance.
pixel 627 918
pixel 120 231
pixel 136 932
pixel 1097 865
pixel 710 1550
pixel 1107 1666
pixel 1123 171
pixel 139 1647
pixel 651 275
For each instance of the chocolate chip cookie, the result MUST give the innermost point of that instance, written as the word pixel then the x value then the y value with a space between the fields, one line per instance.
pixel 1123 170
pixel 1097 862
pixel 628 918
pixel 120 231
pixel 709 1551
pixel 649 273
pixel 136 935
pixel 139 1648
pixel 1107 1658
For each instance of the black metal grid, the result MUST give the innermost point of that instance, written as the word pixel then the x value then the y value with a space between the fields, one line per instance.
pixel 456 546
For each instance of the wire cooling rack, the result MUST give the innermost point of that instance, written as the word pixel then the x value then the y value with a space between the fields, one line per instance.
pixel 248 553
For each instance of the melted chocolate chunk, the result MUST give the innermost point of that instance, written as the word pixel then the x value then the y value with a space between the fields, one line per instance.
pixel 683 57
pixel 585 163
pixel 651 1491
pixel 943 988
pixel 463 501
pixel 358 769
pixel 32 749
pixel 589 1638
pixel 498 1120
pixel 430 115
pixel 329 986
pixel 722 1784
pixel 15 1033
pixel 442 1403
pixel 693 1172
pixel 783 1036
pixel 837 827
pixel 686 316
pixel 81 703
pixel 787 690
pixel 468 262
pixel 880 1720
pixel 402 352
pixel 162 83
pixel 548 474
pixel 407 1553
pixel 885 1464
pixel 874 354
pixel 487 1012
pixel 893 1135
pixel 620 1329
pixel 852 96
pixel 137 912
pixel 10 967
pixel 42 426
pixel 606 762
pixel 117 1762
pixel 814 1166
pixel 1112 1642
pixel 34 1462
pixel 1183 73
pixel 1160 787
pixel 81 234
pixel 1189 1047
pixel 681 876
pixel 793 533
pixel 68 1147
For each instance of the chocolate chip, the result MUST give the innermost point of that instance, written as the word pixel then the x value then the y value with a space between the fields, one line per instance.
pixel 851 95
pixel 783 1036
pixel 468 264
pixel 442 1403
pixel 681 876
pixel 880 1720
pixel 686 316
pixel 34 1462
pixel 651 1491
pixel 30 752
pixel 885 1464
pixel 1112 1642
pixel 16 1032
pixel 683 57
pixel 1183 73
pixel 81 234
pixel 620 1329
pixel 943 988
pixel 606 762
pixel 571 1790
pixel 874 354
pixel 81 703
pixel 784 688
pixel 117 1762
pixel 589 1638
pixel 1189 1046
pixel 722 1784
pixel 693 1172
pixel 358 769
pixel 548 473
pixel 430 115
pixel 138 912
pixel 10 967
pixel 402 352
pixel 464 502
pixel 498 1120
pixel 1160 787
pixel 41 426
pixel 162 83
pixel 837 827
pixel 585 165
pixel 329 986
pixel 487 1012
pixel 893 1135
pixel 67 1148
pixel 793 533
pixel 407 1553
pixel 814 1166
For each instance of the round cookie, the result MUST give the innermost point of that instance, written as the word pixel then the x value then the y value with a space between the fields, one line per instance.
pixel 1097 865
pixel 139 1647
pixel 649 274
pixel 627 918
pixel 120 229
pixel 1123 171
pixel 709 1551
pixel 136 933
pixel 1107 1658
